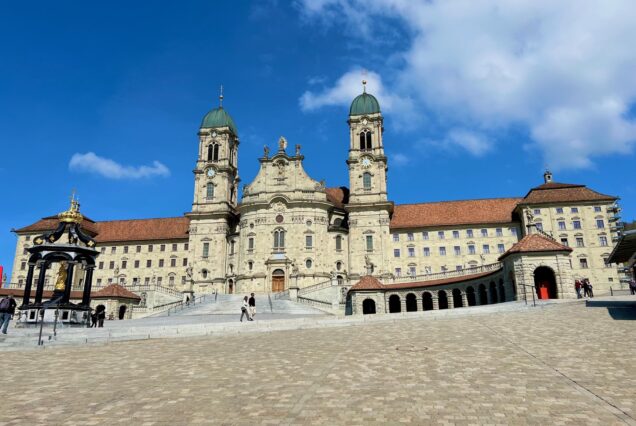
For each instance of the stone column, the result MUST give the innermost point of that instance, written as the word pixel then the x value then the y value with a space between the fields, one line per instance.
pixel 477 297
pixel 451 300
pixel 29 282
pixel 464 299
pixel 39 291
pixel 435 303
pixel 402 304
pixel 68 286
pixel 88 284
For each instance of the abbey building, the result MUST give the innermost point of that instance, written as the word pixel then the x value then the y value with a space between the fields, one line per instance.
pixel 291 232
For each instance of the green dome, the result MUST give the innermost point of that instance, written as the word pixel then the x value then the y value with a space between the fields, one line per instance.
pixel 218 117
pixel 364 104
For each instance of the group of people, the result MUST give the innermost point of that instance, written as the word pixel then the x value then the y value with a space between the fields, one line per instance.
pixel 583 288
pixel 248 308
pixel 98 316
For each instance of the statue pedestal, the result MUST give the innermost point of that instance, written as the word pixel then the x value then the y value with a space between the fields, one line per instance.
pixel 70 315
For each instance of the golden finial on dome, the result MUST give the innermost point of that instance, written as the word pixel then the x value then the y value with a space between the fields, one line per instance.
pixel 72 215
pixel 221 97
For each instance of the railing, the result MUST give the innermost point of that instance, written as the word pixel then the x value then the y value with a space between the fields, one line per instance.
pixel 492 267
pixel 172 306
pixel 315 303
pixel 153 287
pixel 315 287
pixel 283 295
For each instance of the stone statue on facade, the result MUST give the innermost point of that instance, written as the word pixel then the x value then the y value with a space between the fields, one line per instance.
pixel 297 150
pixel 266 151
pixel 282 144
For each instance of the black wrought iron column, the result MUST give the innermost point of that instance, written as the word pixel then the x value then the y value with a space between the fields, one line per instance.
pixel 40 288
pixel 68 286
pixel 88 284
pixel 29 283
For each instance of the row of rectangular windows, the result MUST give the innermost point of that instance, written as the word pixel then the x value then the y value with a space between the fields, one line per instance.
pixel 412 270
pixel 124 264
pixel 559 210
pixel 602 240
pixel 162 247
pixel 501 248
pixel 576 224
pixel 410 236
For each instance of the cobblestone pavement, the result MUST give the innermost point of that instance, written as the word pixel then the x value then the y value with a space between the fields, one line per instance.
pixel 563 364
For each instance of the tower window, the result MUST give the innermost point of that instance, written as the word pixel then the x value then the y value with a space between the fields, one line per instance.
pixel 213 152
pixel 365 141
pixel 209 191
pixel 279 239
pixel 338 243
pixel 366 180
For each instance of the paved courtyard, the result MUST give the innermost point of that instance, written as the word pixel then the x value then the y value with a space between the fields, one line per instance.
pixel 560 364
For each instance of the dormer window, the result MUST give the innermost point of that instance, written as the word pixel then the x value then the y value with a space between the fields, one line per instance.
pixel 365 141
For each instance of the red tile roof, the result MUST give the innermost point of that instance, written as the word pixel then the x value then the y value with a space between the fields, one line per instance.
pixel 534 243
pixel 367 283
pixel 338 196
pixel 115 291
pixel 371 283
pixel 167 228
pixel 554 192
pixel 466 212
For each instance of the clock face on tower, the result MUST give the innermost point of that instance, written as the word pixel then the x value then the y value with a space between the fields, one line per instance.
pixel 366 162
pixel 211 173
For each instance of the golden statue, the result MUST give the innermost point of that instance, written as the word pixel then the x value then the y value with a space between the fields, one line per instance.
pixel 60 281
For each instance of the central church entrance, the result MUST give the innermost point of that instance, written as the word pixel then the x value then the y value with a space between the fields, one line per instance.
pixel 545 283
pixel 278 281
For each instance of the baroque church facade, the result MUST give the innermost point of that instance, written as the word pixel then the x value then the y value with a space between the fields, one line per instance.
pixel 290 231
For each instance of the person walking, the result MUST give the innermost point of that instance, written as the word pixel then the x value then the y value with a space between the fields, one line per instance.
pixel 590 288
pixel 632 286
pixel 7 309
pixel 586 288
pixel 244 310
pixel 577 287
pixel 252 303
pixel 101 315
pixel 94 319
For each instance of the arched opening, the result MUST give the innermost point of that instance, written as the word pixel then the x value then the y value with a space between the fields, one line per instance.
pixel 492 288
pixel 427 301
pixel 230 287
pixel 394 304
pixel 213 152
pixel 279 239
pixel 411 302
pixel 502 291
pixel 483 296
pixel 365 141
pixel 457 298
pixel 545 283
pixel 470 296
pixel 122 312
pixel 368 307
pixel 442 299
pixel 278 280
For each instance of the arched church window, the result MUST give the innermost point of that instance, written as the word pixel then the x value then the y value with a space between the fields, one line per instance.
pixel 279 239
pixel 213 152
pixel 365 141
pixel 366 180
pixel 209 191
pixel 338 242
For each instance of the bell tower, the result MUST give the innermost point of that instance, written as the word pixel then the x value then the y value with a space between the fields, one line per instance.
pixel 213 218
pixel 368 208
pixel 367 162
pixel 216 172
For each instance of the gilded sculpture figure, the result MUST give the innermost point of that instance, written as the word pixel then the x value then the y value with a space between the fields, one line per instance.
pixel 60 280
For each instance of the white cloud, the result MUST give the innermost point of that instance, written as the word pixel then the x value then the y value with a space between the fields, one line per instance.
pixel 474 143
pixel 563 69
pixel 400 159
pixel 348 87
pixel 92 163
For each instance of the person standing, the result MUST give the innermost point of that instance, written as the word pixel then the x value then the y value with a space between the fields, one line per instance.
pixel 7 309
pixel 244 310
pixel 586 288
pixel 577 287
pixel 632 286
pixel 252 303
pixel 590 291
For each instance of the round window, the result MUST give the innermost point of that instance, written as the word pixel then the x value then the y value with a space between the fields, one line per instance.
pixel 309 223
pixel 204 273
pixel 252 225
pixel 279 218
pixel 308 263
pixel 339 266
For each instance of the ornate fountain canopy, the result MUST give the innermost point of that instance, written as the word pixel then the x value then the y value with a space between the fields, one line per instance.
pixel 72 215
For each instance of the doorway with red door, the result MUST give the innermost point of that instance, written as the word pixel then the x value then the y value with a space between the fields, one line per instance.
pixel 545 283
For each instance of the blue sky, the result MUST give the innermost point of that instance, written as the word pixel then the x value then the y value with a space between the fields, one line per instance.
pixel 477 100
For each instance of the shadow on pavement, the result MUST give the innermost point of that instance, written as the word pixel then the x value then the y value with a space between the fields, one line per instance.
pixel 624 314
